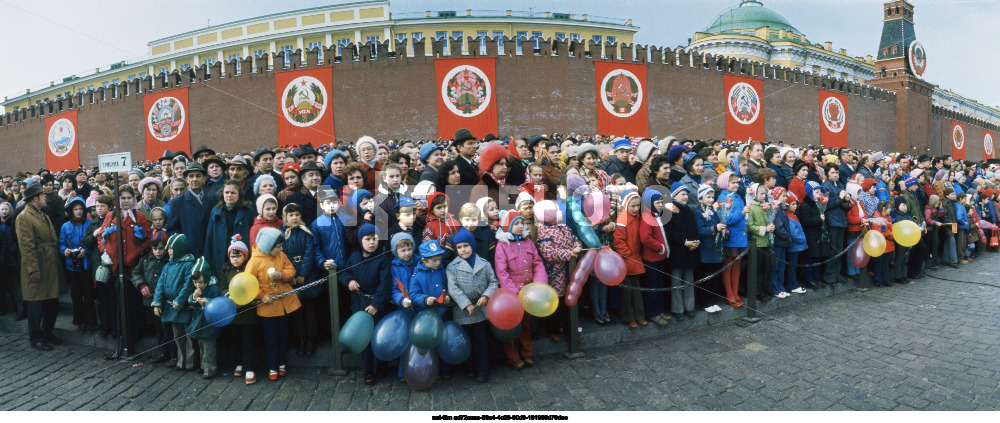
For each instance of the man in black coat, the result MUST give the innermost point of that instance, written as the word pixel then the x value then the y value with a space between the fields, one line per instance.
pixel 189 212
pixel 310 175
pixel 465 143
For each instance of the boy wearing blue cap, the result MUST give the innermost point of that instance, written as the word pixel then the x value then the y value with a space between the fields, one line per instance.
pixel 427 287
pixel 367 274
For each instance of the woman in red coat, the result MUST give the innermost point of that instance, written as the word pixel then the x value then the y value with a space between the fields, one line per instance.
pixel 135 232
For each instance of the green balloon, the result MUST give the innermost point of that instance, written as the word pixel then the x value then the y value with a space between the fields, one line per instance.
pixel 357 332
pixel 427 330
pixel 507 335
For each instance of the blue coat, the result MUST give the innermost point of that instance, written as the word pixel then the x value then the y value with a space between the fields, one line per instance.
pixel 300 247
pixel 401 274
pixel 199 327
pixel 710 253
pixel 798 236
pixel 427 283
pixel 9 255
pixel 189 217
pixel 174 287
pixel 782 232
pixel 329 232
pixel 882 192
pixel 71 237
pixel 962 216
pixel 780 179
pixel 836 216
pixel 736 223
pixel 373 274
pixel 217 235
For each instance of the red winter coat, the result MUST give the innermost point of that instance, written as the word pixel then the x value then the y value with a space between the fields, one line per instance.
pixel 653 238
pixel 134 248
pixel 627 244
pixel 856 217
pixel 886 230
pixel 259 223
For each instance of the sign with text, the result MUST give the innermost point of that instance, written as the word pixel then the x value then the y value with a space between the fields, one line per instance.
pixel 116 162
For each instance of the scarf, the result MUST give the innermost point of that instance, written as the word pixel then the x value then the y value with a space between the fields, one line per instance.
pixel 501 181
pixel 869 202
pixel 471 260
pixel 542 158
pixel 288 232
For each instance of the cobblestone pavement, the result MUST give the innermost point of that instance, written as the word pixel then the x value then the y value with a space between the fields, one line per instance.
pixel 929 345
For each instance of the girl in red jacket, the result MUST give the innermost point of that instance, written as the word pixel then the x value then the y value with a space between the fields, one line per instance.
pixel 883 223
pixel 856 218
pixel 628 245
pixel 654 252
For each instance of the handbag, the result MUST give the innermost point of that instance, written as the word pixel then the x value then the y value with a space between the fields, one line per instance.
pixel 995 239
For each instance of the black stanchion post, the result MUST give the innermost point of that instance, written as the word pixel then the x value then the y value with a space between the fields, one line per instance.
pixel 574 321
pixel 752 282
pixel 337 362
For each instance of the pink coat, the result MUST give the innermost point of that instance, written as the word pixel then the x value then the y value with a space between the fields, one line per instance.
pixel 517 264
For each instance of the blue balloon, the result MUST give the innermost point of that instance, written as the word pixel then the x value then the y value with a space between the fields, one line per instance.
pixel 392 335
pixel 220 311
pixel 420 368
pixel 357 332
pixel 427 330
pixel 455 348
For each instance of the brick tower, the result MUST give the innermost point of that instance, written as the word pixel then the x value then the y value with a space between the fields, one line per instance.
pixel 901 62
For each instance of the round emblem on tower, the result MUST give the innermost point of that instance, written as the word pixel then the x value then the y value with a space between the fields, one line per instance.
pixel 166 118
pixel 988 145
pixel 834 117
pixel 744 103
pixel 621 93
pixel 305 101
pixel 917 57
pixel 466 91
pixel 62 137
pixel 958 137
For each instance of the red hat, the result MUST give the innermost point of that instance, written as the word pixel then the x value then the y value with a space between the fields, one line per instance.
pixel 776 192
pixel 433 195
pixel 291 166
pixel 867 184
pixel 507 219
pixel 792 198
pixel 490 156
pixel 159 236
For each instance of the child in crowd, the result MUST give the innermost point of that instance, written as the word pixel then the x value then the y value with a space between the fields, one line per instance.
pixel 757 230
pixel 557 245
pixel 782 241
pixel 300 248
pixel 157 219
pixel 267 216
pixel 360 210
pixel 485 236
pixel 329 231
pixel 653 237
pixel 535 185
pixel 406 214
pixel 145 278
pixel 525 206
pixel 205 288
pixel 77 266
pixel 517 263
pixel 274 273
pixel 102 205
pixel 242 330
pixel 170 300
pixel 710 225
pixel 683 241
pixel 962 217
pixel 736 241
pixel 627 244
pixel 798 244
pixel 949 224
pixel 403 264
pixel 489 213
pixel 933 212
pixel 428 287
pixel 471 282
pixel 441 225
pixel 882 222
pixel 367 275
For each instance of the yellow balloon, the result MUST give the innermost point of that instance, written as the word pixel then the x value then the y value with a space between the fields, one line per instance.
pixel 539 299
pixel 243 288
pixel 906 233
pixel 874 243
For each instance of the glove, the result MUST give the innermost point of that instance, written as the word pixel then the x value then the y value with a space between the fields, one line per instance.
pixel 139 233
pixel 109 230
pixel 106 259
pixel 146 292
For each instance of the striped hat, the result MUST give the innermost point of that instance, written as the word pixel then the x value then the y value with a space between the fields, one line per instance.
pixel 158 236
pixel 704 189
pixel 627 196
pixel 909 181
pixel 677 187
pixel 776 192
pixel 238 245
pixel 179 243
pixel 201 266
pixel 507 219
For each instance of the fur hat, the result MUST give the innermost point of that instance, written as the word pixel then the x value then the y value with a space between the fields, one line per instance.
pixel 365 140
pixel 268 238
pixel 147 181
pixel 179 243
pixel 236 243
pixel 261 178
pixel 644 150
pixel 490 155
pixel 261 200
pixel 663 144
pixel 585 147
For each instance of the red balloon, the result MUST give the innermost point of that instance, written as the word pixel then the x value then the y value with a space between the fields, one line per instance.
pixel 504 309
pixel 859 257
pixel 609 267
pixel 597 207
pixel 580 276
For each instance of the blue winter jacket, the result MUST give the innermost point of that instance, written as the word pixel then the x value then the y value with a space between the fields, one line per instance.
pixel 736 223
pixel 174 287
pixel 798 236
pixel 882 191
pixel 962 216
pixel 329 232
pixel 300 247
pixel 402 271
pixel 836 216
pixel 374 276
pixel 9 255
pixel 710 253
pixel 71 238
pixel 427 283
pixel 218 235
pixel 199 327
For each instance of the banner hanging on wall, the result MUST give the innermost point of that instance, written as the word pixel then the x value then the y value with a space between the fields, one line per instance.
pixel 62 151
pixel 957 140
pixel 833 119
pixel 304 111
pixel 167 122
pixel 744 108
pixel 467 98
pixel 621 99
pixel 987 145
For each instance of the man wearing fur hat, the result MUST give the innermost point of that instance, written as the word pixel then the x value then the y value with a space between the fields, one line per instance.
pixel 645 152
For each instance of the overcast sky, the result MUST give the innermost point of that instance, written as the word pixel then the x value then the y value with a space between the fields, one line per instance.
pixel 47 40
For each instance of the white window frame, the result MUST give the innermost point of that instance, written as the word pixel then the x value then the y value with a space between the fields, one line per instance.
pixel 561 36
pixel 612 39
pixel 574 37
pixel 341 43
pixel 442 34
pixel 400 36
pixel 499 36
pixel 537 36
pixel 598 39
pixel 520 34
pixel 209 61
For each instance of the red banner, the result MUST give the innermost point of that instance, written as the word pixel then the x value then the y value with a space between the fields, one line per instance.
pixel 621 99
pixel 62 150
pixel 957 140
pixel 304 110
pixel 467 96
pixel 167 118
pixel 987 145
pixel 832 119
pixel 744 108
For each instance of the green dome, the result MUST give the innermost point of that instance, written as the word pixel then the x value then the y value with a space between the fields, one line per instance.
pixel 750 14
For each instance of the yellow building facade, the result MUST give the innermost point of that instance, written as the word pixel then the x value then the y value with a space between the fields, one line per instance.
pixel 329 26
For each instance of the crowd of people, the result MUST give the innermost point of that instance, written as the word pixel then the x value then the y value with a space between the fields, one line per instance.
pixel 443 224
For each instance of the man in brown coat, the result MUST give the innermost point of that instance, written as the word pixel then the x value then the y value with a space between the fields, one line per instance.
pixel 40 274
